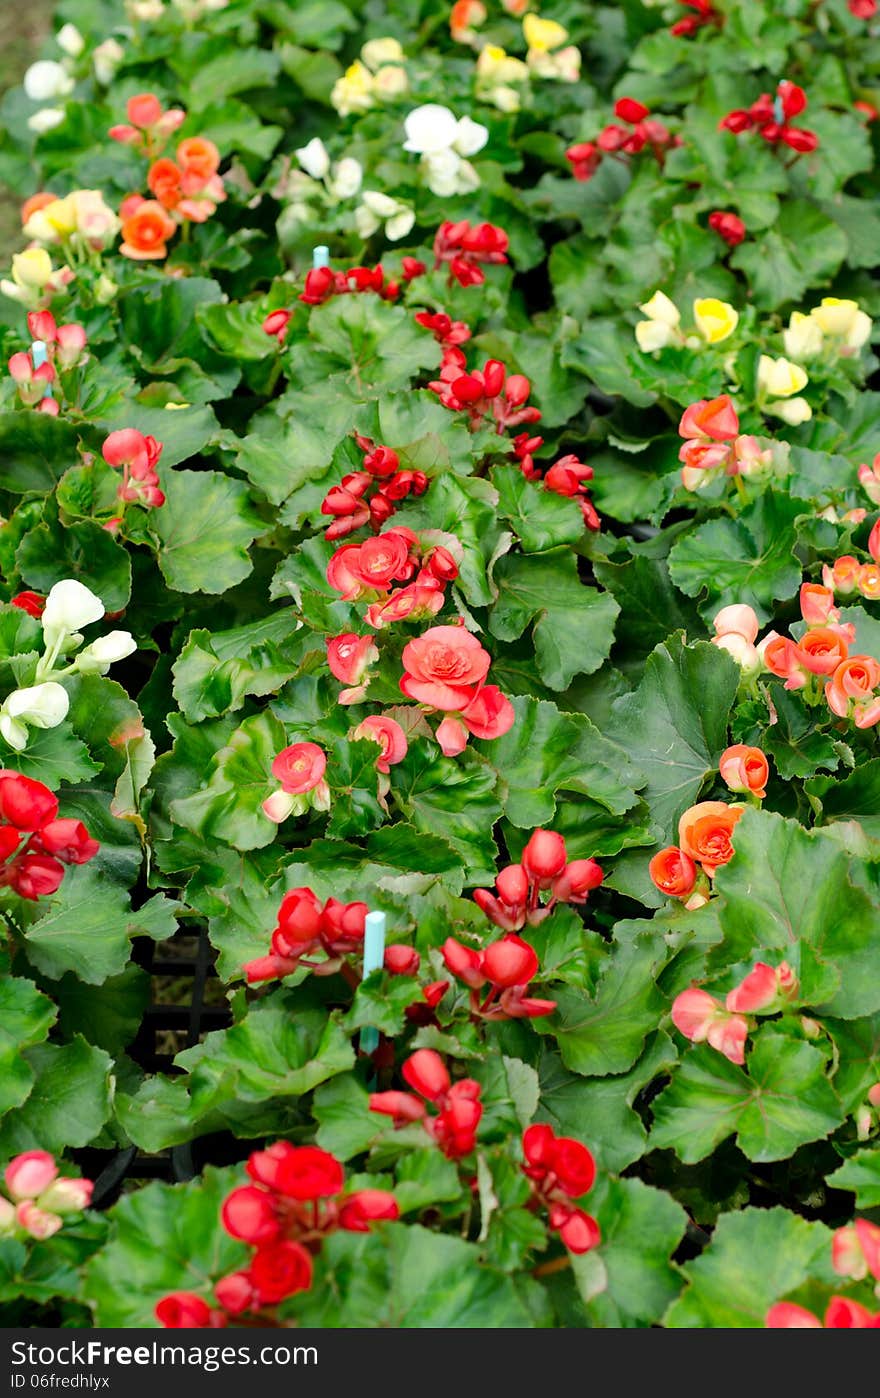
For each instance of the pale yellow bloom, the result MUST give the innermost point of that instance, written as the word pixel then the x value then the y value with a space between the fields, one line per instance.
pixel 803 339
pixel 779 378
pixel 390 81
pixel 661 308
pixel 654 335
pixel 494 66
pixel 353 92
pixel 715 320
pixel 794 411
pixel 377 52
pixel 835 316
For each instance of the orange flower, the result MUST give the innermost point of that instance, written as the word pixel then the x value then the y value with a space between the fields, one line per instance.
pixel 869 580
pixel 36 202
pixel 704 833
pixel 673 872
pixel 744 769
pixel 146 232
pixel 164 182
pixel 821 650
pixel 844 575
pixel 198 157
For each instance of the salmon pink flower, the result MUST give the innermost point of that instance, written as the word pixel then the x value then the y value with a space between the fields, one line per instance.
pixel 700 1018
pixel 817 605
pixel 146 231
pixel 389 736
pixel 851 690
pixel 299 767
pixel 843 576
pixel 443 668
pixel 765 988
pixel 744 768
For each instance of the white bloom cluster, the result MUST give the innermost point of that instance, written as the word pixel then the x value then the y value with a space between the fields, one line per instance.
pixel 444 142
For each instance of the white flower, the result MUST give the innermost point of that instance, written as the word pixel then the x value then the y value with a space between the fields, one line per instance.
pixel 40 706
pixel 660 308
pixel 441 172
pixel 70 41
pixel 314 158
pixel 347 177
pixel 399 224
pixel 378 208
pixel 653 335
pixel 46 119
pixel 106 58
pixel 390 81
pixel 794 411
pixel 105 651
pixel 69 606
pixel 779 377
pixel 46 80
pixel 429 129
pixel 470 136
pixel 506 99
pixel 145 10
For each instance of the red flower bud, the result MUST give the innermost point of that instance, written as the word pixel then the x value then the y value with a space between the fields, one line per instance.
pixel 426 1073
pixel 307 1172
pixel 402 1106
pixel 510 962
pixel 512 884
pixel 367 1206
pixel 464 962
pixel 628 109
pixel 580 1232
pixel 544 857
pixel 183 1310
pixel 236 1293
pixel 249 1213
pixel 577 880
pixel 401 960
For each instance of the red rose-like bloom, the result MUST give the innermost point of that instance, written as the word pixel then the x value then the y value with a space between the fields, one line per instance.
pixel 673 872
pixel 299 920
pixel 443 666
pixel 367 1206
pixel 25 803
pixel 307 1172
pixel 35 876
pixel 183 1310
pixel 728 226
pixel 280 1270
pixel 68 840
pixel 299 767
pixel 248 1213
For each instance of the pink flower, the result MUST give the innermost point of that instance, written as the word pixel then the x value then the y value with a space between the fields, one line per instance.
pixel 764 988
pixel 349 657
pixel 443 667
pixel 299 767
pixel 737 619
pixel 700 1018
pixel 29 1174
pixel 390 737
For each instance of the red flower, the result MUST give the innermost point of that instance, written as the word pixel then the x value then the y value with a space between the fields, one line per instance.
pixel 367 1206
pixel 249 1213
pixel 279 1270
pixel 544 857
pixel 30 602
pixel 426 1072
pixel 728 226
pixel 25 803
pixel 307 1172
pixel 184 1310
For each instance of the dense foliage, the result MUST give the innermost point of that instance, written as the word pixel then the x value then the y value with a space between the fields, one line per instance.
pixel 440 478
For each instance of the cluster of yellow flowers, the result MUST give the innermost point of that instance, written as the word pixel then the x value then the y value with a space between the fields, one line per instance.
pixel 377 75
pixel 500 77
pixel 836 327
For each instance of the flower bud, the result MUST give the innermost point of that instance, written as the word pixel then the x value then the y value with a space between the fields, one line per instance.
pixel 97 658
pixel 67 1196
pixel 544 857
pixel 426 1073
pixel 36 1222
pixel 70 606
pixel 29 1174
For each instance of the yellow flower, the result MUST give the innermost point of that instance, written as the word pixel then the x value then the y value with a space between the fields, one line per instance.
pixel 716 320
pixel 844 320
pixel 794 411
pixel 494 66
pixel 661 308
pixel 779 378
pixel 32 268
pixel 543 35
pixel 653 335
pixel 353 92
pixel 803 339
pixel 377 52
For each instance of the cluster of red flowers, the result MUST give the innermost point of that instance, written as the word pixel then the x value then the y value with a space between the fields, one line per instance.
pixel 465 249
pixel 347 502
pixel 306 926
pixel 772 116
pixel 484 393
pixel 855 1253
pixel 569 476
pixel 645 133
pixel 367 570
pixel 459 1109
pixel 35 844
pixel 297 1199
pixel 701 1018
pixel 689 24
pixel 560 1169
pixel 185 190
pixel 517 897
pixel 446 331
pixel 64 346
pixel 322 283
pixel 822 655
pixel 138 457
pixel 506 967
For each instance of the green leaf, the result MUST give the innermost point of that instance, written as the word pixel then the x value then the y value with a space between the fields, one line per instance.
pixel 546 752
pixel 674 726
pixel 205 529
pixel 756 1257
pixel 163 1238
pixel 785 886
pixel 605 1033
pixel 228 807
pixel 803 249
pixel 749 559
pixel 55 755
pixel 861 1173
pixel 640 1229
pixel 409 1278
pixel 651 608
pixel 454 798
pixel 539 518
pixel 574 624
pixel 69 1102
pixel 35 451
pixel 782 1100
pixel 83 551
pixel 87 925
pixel 215 672
pixel 857 797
